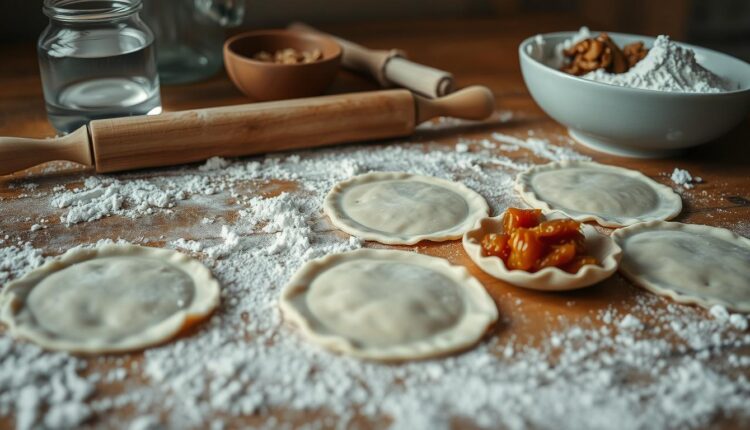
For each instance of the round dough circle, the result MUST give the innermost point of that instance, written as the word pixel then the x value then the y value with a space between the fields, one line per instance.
pixel 403 209
pixel 388 305
pixel 113 298
pixel 587 191
pixel 694 264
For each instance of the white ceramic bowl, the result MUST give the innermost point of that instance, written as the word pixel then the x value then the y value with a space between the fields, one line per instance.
pixel 628 121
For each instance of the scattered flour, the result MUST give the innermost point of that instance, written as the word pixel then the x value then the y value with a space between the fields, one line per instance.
pixel 188 245
pixel 18 259
pixel 540 147
pixel 213 163
pixel 103 196
pixel 667 67
pixel 445 122
pixel 246 362
pixel 31 378
pixel 684 178
pixel 630 323
pixel 738 321
pixel 722 315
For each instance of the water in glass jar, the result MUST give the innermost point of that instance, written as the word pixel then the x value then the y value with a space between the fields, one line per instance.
pixel 99 73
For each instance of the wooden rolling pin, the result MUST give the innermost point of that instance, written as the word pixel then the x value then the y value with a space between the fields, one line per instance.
pixel 184 137
pixel 389 67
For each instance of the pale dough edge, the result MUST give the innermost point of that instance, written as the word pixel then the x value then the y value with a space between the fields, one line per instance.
pixel 621 235
pixel 205 300
pixel 478 208
pixel 529 196
pixel 550 278
pixel 467 333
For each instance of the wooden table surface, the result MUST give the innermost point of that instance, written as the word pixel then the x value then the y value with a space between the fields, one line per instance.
pixel 477 52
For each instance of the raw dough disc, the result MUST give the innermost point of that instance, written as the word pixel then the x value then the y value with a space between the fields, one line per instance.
pixel 694 264
pixel 403 209
pixel 587 191
pixel 109 299
pixel 388 305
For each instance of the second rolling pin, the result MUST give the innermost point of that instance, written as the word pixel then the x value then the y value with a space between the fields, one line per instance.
pixel 184 137
pixel 390 68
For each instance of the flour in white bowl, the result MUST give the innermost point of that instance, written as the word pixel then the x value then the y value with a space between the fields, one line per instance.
pixel 667 67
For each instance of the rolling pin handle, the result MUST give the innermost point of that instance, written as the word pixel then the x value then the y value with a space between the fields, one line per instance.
pixel 357 57
pixel 18 153
pixel 475 102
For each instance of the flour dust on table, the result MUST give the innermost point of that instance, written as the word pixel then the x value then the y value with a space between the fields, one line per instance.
pixel 684 178
pixel 245 366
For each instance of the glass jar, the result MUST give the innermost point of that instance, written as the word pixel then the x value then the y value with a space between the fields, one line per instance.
pixel 190 35
pixel 97 61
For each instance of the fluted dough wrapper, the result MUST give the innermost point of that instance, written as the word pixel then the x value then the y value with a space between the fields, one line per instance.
pixel 587 191
pixel 694 264
pixel 112 298
pixel 388 305
pixel 403 209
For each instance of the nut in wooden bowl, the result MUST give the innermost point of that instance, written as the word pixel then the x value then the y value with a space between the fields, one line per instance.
pixel 264 80
pixel 597 245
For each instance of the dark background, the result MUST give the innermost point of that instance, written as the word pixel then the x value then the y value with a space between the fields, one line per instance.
pixel 720 24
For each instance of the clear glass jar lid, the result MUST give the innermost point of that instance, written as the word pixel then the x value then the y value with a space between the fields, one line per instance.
pixel 90 10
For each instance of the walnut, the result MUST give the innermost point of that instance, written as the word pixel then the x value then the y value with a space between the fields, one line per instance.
pixel 289 56
pixel 263 56
pixel 634 52
pixel 601 53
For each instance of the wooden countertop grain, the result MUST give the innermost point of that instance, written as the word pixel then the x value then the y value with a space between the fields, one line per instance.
pixel 476 52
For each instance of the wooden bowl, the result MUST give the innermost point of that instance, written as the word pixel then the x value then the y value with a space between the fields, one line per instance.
pixel 271 81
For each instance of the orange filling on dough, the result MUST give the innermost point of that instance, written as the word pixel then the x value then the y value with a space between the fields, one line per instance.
pixel 530 243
